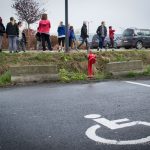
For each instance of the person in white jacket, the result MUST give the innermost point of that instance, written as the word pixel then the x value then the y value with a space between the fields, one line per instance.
pixel 21 40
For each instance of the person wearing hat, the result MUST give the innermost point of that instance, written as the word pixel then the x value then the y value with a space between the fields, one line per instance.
pixel 2 31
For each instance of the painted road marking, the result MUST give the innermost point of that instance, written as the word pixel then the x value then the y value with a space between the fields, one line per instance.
pixel 136 83
pixel 113 125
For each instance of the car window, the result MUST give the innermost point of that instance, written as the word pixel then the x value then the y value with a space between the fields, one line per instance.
pixel 128 32
pixel 146 33
pixel 138 32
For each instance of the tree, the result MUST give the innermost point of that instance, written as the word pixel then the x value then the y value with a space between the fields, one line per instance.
pixel 28 10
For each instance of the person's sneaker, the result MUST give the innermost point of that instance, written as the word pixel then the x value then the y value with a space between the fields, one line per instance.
pixel 98 49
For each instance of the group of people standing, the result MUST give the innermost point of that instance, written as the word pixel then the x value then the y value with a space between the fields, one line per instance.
pixel 15 34
pixel 102 34
pixel 17 38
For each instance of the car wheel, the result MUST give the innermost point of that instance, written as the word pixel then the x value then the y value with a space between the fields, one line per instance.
pixel 126 47
pixel 139 45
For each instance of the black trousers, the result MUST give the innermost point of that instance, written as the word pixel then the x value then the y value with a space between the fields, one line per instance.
pixel 85 40
pixel 46 38
pixel 61 40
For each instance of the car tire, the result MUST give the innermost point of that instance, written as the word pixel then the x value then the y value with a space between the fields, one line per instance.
pixel 126 47
pixel 139 45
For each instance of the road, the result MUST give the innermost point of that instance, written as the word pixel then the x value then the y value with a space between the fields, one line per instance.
pixel 52 116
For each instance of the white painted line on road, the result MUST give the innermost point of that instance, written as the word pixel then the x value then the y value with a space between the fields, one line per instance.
pixel 136 83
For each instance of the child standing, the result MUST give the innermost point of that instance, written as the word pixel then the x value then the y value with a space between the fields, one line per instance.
pixel 72 38
pixel 111 36
pixel 21 38
pixel 61 36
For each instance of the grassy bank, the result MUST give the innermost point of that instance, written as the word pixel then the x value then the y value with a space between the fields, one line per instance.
pixel 72 66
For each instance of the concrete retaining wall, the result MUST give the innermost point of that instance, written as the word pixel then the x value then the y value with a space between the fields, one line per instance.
pixel 34 73
pixel 120 68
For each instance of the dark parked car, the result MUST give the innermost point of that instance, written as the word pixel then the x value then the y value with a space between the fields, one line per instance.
pixel 107 44
pixel 136 38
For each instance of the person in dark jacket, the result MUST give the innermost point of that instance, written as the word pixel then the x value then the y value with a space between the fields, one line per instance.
pixel 61 36
pixel 72 38
pixel 2 31
pixel 38 40
pixel 12 32
pixel 102 33
pixel 111 36
pixel 84 36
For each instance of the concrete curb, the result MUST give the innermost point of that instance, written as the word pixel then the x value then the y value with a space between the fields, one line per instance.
pixel 34 73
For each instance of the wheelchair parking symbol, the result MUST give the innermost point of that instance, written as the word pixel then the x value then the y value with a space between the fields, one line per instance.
pixel 113 125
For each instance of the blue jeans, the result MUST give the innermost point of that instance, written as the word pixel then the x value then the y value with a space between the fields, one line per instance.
pixel 101 42
pixel 12 43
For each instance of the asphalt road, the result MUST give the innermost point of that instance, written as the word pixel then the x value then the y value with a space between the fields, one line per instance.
pixel 51 117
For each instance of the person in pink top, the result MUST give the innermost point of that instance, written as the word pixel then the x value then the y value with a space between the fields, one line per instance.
pixel 44 29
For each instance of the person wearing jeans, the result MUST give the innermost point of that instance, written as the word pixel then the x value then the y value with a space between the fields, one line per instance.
pixel 12 40
pixel 44 29
pixel 12 34
pixel 102 33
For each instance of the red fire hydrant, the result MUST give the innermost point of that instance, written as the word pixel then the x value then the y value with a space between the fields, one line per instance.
pixel 91 61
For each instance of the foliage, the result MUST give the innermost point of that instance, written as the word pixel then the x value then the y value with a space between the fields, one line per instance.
pixel 5 78
pixel 67 76
pixel 28 10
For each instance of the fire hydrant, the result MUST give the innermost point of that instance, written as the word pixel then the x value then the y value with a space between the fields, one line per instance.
pixel 91 61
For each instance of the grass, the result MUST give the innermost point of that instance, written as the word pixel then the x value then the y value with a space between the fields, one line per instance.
pixel 73 66
pixel 5 78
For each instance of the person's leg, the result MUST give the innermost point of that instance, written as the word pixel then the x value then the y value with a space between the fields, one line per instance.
pixel 10 41
pixel 103 39
pixel 1 39
pixel 14 43
pixel 47 36
pixel 59 42
pixel 87 44
pixel 43 41
pixel 38 45
pixel 63 42
pixel 18 45
pixel 70 40
pixel 83 40
pixel 100 43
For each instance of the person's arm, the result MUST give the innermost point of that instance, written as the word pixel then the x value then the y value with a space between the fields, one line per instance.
pixel 17 30
pixel 39 28
pixel 106 31
pixel 7 29
pixel 3 28
pixel 49 24
pixel 97 31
